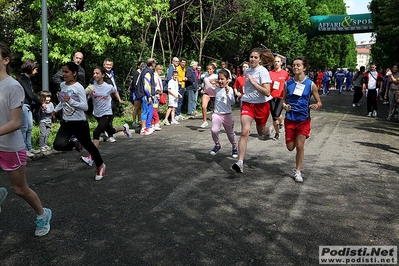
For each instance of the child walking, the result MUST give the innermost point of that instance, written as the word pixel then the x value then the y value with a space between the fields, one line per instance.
pixel 12 147
pixel 173 97
pixel 45 120
pixel 222 114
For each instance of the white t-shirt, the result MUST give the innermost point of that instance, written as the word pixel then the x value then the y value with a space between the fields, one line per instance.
pixel 173 85
pixel 11 96
pixel 102 100
pixel 261 76
pixel 77 101
pixel 372 81
pixel 223 102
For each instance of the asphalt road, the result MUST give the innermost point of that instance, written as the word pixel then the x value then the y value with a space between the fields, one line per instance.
pixel 166 201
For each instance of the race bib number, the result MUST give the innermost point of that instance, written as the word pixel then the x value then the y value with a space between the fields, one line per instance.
pixel 299 89
pixel 276 85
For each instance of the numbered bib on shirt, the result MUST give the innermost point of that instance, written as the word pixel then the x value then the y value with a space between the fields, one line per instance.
pixel 276 85
pixel 299 88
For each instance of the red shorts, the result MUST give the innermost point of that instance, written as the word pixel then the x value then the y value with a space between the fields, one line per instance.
pixel 295 128
pixel 11 161
pixel 258 111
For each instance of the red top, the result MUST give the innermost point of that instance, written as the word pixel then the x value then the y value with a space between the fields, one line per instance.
pixel 239 84
pixel 279 78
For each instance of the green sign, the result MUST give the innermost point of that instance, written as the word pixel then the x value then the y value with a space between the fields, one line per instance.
pixel 341 24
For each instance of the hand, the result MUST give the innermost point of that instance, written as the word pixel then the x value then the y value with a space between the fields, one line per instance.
pixel 313 106
pixel 121 101
pixel 66 97
pixel 287 107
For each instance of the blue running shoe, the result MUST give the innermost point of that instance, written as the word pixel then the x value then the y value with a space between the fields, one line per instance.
pixel 43 224
pixel 215 149
pixel 3 195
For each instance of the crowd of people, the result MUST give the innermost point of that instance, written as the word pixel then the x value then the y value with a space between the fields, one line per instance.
pixel 261 86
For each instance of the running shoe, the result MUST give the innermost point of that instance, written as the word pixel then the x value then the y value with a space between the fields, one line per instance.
pixel 298 176
pixel 43 224
pixel 87 160
pixel 127 131
pixel 100 172
pixel 204 124
pixel 238 167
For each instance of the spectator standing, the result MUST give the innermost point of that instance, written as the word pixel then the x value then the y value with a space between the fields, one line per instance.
pixel 372 83
pixel 31 104
pixel 145 90
pixel 158 91
pixel 77 59
pixel 45 120
pixel 326 82
pixel 358 87
pixel 393 89
pixel 173 95
pixel 12 148
pixel 181 70
pixel 136 115
pixel 172 67
pixel 192 88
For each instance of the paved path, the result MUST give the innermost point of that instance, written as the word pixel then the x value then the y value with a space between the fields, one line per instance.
pixel 166 201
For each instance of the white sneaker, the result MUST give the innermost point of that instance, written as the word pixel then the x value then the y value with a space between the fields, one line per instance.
pixel 127 131
pixel 204 124
pixel 157 127
pixel 353 105
pixel 174 122
pixel 298 176
pixel 177 118
pixel 87 160
pixel 100 172
pixel 369 114
pixel 166 122
pixel 111 139
pixel 29 154
pixel 238 167
pixel 271 131
pixel 374 113
pixel 34 151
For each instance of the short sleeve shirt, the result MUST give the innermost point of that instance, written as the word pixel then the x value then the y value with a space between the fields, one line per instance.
pixel 11 97
pixel 252 95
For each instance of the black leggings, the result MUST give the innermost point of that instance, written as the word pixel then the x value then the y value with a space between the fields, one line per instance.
pixel 81 130
pixel 357 95
pixel 276 107
pixel 104 124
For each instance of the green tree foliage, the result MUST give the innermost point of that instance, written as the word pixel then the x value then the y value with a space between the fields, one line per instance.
pixel 331 50
pixel 203 30
pixel 385 51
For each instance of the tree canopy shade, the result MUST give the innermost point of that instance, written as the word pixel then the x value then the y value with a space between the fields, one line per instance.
pixel 385 51
pixel 128 31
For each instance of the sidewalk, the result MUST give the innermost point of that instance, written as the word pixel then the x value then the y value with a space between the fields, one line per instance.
pixel 166 201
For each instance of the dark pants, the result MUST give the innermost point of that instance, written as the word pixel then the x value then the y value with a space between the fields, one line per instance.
pixel 104 125
pixel 372 100
pixel 180 102
pixel 357 96
pixel 81 130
